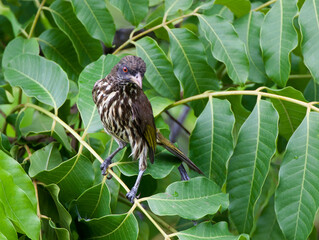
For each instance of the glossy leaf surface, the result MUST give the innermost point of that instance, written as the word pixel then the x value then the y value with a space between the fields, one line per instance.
pixel 249 164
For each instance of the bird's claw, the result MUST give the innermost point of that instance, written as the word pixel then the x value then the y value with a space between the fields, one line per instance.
pixel 104 166
pixel 131 195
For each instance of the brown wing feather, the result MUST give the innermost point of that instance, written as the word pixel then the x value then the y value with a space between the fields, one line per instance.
pixel 144 114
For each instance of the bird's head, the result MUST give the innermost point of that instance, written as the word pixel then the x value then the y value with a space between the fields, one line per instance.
pixel 132 69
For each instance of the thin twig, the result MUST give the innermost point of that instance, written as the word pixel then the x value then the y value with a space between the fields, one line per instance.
pixel 177 122
pixel 264 5
pixel 36 18
pixel 300 76
pixel 244 92
pixel 152 29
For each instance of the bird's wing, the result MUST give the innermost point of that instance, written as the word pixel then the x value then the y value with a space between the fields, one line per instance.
pixel 144 114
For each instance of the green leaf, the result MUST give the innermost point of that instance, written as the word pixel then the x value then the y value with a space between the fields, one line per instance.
pixel 159 69
pixel 44 159
pixel 7 228
pixel 53 208
pixel 181 198
pixel 190 65
pixel 309 26
pixel 18 196
pixel 311 92
pixel 240 112
pixel 73 177
pixel 43 124
pixel 121 226
pixel 51 231
pixel 267 225
pixel 163 165
pixel 211 142
pixel 291 114
pixel 17 47
pixel 238 7
pixel 6 11
pixel 226 46
pixel 36 75
pixel 94 202
pixel 297 195
pixel 206 230
pixel 92 73
pixel 248 29
pixel 21 179
pixel 134 11
pixel 172 6
pixel 87 48
pixel 278 39
pixel 57 47
pixel 96 19
pixel 249 164
pixel 5 145
pixel 159 104
pixel 3 97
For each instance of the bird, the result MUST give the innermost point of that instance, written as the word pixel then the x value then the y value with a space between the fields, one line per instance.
pixel 127 115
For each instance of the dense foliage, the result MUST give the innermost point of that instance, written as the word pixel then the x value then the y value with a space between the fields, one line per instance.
pixel 241 76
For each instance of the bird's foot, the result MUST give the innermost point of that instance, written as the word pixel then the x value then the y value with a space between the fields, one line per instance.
pixel 104 166
pixel 131 195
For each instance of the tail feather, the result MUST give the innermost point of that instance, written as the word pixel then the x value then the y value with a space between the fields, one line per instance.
pixel 161 140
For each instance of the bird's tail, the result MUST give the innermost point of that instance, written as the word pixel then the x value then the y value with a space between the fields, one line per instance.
pixel 162 141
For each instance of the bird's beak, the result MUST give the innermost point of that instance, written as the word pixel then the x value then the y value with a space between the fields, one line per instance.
pixel 137 79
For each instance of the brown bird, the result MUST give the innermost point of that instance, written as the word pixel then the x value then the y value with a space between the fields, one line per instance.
pixel 127 115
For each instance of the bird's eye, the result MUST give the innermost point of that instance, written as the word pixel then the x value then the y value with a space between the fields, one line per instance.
pixel 125 69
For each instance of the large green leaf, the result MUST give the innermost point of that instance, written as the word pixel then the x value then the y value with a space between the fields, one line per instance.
pixel 43 124
pixel 134 11
pixel 52 231
pixel 73 177
pixel 278 39
pixel 96 19
pixel 7 228
pixel 92 73
pixel 44 159
pixel 87 48
pixel 238 7
pixel 17 196
pixel 311 92
pixel 112 227
pixel 55 211
pixel 21 179
pixel 17 47
pixel 9 14
pixel 172 6
pixel 226 46
pixel 211 142
pixel 94 202
pixel 190 65
pixel 159 71
pixel 291 114
pixel 57 47
pixel 164 163
pixel 309 26
pixel 267 225
pixel 39 78
pixel 297 196
pixel 249 164
pixel 248 29
pixel 3 97
pixel 181 198
pixel 159 104
pixel 240 112
pixel 5 145
pixel 207 230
